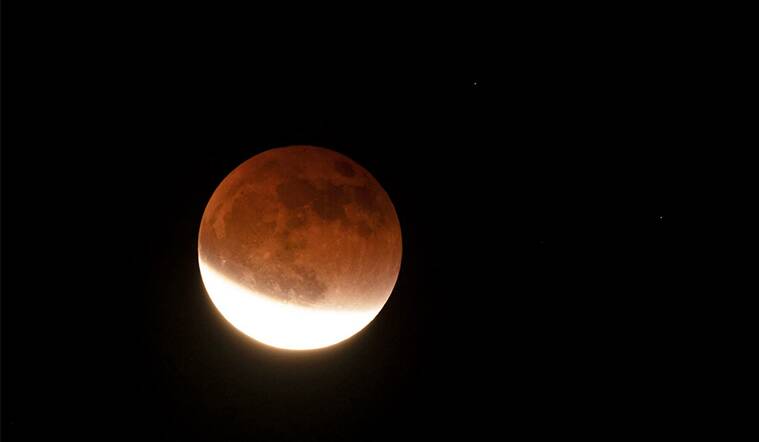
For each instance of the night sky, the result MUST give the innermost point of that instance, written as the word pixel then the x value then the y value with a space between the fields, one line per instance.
pixel 535 182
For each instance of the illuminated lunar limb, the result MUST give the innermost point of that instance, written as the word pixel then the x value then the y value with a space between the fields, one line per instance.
pixel 280 324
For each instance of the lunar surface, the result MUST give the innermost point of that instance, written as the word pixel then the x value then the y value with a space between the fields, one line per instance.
pixel 299 247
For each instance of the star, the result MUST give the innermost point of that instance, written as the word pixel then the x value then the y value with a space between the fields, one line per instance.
pixel 475 83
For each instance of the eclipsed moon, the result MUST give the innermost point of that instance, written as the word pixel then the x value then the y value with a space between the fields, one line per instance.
pixel 299 247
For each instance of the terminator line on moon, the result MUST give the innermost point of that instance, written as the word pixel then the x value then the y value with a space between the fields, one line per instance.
pixel 299 247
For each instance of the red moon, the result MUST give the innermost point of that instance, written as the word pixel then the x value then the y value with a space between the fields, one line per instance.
pixel 299 247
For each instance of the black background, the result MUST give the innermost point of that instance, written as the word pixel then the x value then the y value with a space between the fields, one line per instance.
pixel 535 175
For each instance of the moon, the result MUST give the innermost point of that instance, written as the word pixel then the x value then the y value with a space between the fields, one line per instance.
pixel 299 247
